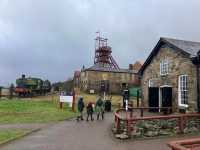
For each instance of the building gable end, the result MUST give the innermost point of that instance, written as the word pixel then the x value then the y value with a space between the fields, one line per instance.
pixel 161 43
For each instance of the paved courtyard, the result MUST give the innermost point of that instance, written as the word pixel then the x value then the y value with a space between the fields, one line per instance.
pixel 72 135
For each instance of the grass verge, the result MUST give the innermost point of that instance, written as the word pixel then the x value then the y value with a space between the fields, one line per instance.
pixel 32 111
pixel 12 134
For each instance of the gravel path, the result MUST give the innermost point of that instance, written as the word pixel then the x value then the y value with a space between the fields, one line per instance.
pixel 72 135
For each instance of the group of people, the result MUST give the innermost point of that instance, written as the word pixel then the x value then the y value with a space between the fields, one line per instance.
pixel 98 108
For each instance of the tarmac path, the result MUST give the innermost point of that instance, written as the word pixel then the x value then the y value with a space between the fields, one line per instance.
pixel 72 135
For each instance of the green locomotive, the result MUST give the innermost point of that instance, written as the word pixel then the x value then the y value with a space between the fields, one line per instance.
pixel 32 86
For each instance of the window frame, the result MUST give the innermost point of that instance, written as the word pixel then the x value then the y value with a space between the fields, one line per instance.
pixel 164 67
pixel 183 90
pixel 150 84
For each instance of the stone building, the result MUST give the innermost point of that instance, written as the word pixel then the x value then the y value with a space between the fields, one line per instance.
pixel 105 74
pixel 136 66
pixel 77 78
pixel 114 81
pixel 169 77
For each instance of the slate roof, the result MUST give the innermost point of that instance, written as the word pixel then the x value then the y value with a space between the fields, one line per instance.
pixel 188 47
pixel 107 69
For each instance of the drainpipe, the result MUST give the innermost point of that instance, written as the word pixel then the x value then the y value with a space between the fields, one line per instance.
pixel 140 81
pixel 198 88
pixel 196 61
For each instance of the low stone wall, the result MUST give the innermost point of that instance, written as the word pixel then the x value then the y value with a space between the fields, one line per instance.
pixel 157 128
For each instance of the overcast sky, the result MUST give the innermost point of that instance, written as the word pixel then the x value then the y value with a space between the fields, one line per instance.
pixel 52 38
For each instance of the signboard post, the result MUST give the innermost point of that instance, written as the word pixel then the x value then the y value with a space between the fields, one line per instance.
pixel 67 99
pixel 73 101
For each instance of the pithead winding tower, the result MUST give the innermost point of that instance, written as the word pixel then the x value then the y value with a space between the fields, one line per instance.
pixel 103 57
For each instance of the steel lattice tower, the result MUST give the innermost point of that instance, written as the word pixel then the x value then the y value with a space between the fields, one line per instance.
pixel 103 57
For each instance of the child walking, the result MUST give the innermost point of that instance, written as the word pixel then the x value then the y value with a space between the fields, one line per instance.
pixel 90 111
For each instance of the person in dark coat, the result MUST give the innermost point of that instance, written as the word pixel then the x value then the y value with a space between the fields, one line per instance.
pixel 80 107
pixel 89 111
pixel 99 107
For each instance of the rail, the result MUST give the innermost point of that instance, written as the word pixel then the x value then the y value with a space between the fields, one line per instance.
pixel 165 110
pixel 188 144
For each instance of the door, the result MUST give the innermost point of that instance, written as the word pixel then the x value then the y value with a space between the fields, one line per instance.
pixel 153 98
pixel 104 86
pixel 166 96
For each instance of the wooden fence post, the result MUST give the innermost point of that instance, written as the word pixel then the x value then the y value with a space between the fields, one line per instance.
pixel 128 127
pixel 117 124
pixel 181 125
pixel 61 105
pixel 131 113
pixel 141 112
pixel 73 101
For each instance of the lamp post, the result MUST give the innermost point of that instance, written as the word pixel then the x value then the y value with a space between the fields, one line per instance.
pixel 126 98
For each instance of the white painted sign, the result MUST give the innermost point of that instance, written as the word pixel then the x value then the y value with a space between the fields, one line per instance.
pixel 67 99
pixel 91 91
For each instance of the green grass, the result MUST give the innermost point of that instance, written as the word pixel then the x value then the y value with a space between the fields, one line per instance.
pixel 7 135
pixel 32 111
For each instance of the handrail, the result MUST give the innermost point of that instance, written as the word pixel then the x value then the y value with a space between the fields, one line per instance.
pixel 129 119
pixel 183 144
pixel 158 117
pixel 141 109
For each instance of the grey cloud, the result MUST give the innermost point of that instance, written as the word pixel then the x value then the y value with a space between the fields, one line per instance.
pixel 50 39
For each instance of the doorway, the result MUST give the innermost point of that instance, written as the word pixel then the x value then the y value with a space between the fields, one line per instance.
pixel 153 98
pixel 104 86
pixel 166 96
